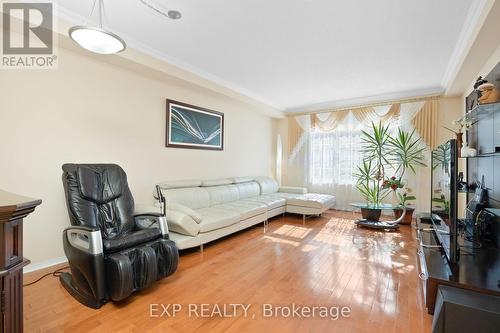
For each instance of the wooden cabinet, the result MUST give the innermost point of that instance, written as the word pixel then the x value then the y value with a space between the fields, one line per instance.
pixel 476 269
pixel 13 208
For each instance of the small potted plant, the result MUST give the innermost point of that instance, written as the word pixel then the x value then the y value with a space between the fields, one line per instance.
pixel 394 183
pixel 459 127
pixel 404 201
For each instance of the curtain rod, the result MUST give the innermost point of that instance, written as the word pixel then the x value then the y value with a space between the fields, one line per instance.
pixel 359 106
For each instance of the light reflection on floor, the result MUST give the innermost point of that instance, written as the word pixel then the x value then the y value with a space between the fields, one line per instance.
pixel 339 243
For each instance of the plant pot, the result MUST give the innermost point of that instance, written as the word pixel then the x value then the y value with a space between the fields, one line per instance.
pixel 408 215
pixel 371 214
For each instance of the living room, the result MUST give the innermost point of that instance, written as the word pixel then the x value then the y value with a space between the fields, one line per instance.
pixel 286 166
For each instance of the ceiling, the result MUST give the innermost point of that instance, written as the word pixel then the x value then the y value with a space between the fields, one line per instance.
pixel 301 55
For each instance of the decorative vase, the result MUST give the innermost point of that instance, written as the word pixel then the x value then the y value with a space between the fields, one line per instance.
pixel 408 215
pixel 467 151
pixel 394 199
pixel 459 142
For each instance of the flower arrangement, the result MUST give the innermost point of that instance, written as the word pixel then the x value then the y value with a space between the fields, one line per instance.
pixel 392 183
pixel 460 125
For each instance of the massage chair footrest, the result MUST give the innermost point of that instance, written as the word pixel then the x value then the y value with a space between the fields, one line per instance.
pixel 137 268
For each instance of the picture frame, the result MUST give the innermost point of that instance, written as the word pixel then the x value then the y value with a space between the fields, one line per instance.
pixel 193 127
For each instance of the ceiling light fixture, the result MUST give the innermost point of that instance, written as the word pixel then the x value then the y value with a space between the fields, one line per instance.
pixel 171 14
pixel 96 39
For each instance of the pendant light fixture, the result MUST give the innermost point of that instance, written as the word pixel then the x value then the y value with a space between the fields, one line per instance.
pixel 96 39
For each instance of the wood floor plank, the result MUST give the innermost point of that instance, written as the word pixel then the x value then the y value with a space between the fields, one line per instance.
pixel 328 262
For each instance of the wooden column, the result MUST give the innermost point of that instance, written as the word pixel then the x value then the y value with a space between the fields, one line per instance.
pixel 13 208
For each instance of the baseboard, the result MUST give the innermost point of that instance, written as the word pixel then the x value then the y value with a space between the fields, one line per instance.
pixel 44 264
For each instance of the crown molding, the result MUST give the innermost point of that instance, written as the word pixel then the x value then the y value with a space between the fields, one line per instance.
pixel 357 102
pixel 473 22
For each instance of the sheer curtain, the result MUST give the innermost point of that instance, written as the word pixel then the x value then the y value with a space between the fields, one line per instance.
pixel 331 159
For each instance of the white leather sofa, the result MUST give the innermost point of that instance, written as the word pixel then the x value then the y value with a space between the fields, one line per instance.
pixel 200 211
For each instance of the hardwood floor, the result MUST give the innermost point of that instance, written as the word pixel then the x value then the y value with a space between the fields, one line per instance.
pixel 328 262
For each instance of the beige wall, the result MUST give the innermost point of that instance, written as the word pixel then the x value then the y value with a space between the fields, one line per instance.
pixel 90 110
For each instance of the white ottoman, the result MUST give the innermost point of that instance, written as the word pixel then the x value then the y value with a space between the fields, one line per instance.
pixel 310 204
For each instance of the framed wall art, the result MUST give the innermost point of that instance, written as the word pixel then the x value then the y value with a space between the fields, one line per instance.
pixel 190 126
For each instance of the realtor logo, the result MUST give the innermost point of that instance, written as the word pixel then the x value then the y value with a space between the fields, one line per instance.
pixel 27 35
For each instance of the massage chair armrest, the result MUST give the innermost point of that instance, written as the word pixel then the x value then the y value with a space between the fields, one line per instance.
pixel 84 249
pixel 151 217
pixel 86 239
pixel 292 189
pixel 152 220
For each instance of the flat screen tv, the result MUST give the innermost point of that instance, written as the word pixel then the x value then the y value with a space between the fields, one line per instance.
pixel 444 203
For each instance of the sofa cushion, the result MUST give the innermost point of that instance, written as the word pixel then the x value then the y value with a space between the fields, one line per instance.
pixel 313 200
pixel 173 206
pixel 216 182
pixel 246 209
pixel 267 185
pixel 216 218
pixel 222 194
pixel 180 183
pixel 238 180
pixel 284 195
pixel 192 197
pixel 248 190
pixel 182 223
pixel 271 201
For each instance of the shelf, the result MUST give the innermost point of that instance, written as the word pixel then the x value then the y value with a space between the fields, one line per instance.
pixel 496 153
pixel 481 111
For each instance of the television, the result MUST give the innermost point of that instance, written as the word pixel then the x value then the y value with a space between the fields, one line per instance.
pixel 444 205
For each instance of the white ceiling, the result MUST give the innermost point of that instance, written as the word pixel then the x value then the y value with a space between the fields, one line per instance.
pixel 298 55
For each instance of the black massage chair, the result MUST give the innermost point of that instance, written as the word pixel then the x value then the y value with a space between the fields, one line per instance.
pixel 111 250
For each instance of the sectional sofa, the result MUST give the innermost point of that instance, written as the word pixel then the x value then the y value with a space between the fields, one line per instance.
pixel 200 211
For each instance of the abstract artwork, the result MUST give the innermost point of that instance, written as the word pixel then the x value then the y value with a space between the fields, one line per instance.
pixel 190 126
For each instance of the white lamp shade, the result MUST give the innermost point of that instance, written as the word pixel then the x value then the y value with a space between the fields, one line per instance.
pixel 97 40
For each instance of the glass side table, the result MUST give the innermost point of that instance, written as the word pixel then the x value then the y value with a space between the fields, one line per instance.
pixel 371 216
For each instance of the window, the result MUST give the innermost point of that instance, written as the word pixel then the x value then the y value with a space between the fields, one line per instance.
pixel 333 156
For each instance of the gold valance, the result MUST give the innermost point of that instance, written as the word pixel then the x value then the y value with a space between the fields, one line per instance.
pixel 364 115
pixel 424 118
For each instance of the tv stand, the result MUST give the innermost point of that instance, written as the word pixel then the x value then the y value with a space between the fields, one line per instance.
pixel 477 269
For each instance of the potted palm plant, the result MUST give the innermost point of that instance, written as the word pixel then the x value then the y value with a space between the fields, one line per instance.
pixel 407 153
pixel 382 153
pixel 370 174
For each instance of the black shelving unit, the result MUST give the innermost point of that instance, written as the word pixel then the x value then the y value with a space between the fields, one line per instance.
pixel 484 136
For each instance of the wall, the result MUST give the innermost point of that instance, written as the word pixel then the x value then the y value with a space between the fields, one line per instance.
pixel 95 109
